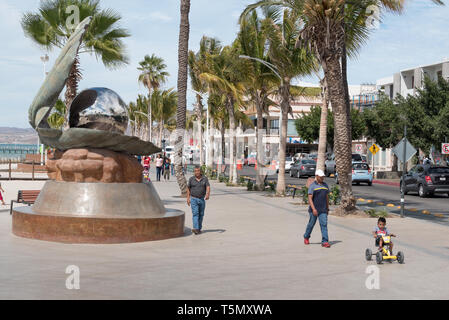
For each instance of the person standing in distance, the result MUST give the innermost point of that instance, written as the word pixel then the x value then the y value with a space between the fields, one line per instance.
pixel 319 208
pixel 198 191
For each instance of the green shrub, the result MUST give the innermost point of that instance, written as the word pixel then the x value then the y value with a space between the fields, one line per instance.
pixel 272 185
pixel 377 213
pixel 335 195
pixel 304 194
pixel 250 186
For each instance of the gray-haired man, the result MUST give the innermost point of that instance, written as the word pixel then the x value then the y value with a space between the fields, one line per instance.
pixel 198 191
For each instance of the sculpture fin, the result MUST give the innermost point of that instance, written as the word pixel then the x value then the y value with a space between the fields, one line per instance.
pixel 56 79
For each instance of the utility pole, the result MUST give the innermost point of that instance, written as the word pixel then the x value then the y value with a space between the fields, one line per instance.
pixel 404 170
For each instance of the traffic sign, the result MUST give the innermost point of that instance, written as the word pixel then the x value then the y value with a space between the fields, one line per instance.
pixel 409 152
pixel 358 148
pixel 445 148
pixel 374 149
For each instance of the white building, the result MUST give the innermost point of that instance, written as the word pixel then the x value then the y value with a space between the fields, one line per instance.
pixel 403 83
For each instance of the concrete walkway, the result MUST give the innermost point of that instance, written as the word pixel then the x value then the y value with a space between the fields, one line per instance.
pixel 251 248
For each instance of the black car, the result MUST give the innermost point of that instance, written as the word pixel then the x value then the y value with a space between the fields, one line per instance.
pixel 426 180
pixel 302 168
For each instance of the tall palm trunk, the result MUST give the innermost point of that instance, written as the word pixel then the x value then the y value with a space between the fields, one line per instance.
pixel 71 88
pixel 322 145
pixel 210 143
pixel 183 51
pixel 161 131
pixel 232 142
pixel 150 119
pixel 285 108
pixel 343 144
pixel 199 119
pixel 223 144
pixel 259 147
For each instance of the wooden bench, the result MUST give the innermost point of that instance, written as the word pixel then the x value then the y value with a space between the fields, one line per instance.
pixel 25 196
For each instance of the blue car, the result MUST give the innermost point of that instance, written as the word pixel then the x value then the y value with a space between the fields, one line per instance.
pixel 361 172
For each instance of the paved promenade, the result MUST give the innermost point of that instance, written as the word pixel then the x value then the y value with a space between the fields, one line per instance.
pixel 251 248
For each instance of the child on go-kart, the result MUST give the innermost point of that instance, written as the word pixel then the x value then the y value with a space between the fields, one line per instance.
pixel 381 230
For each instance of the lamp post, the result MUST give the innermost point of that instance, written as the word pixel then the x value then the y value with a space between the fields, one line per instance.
pixel 44 60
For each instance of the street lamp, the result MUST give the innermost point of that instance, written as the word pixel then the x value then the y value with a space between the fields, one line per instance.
pixel 205 96
pixel 44 60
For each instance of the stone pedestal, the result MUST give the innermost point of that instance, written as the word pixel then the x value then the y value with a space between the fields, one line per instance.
pixel 97 212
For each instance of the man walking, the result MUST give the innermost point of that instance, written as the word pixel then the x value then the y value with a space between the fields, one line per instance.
pixel 198 191
pixel 319 208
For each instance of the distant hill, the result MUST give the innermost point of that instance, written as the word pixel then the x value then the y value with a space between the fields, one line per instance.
pixel 18 135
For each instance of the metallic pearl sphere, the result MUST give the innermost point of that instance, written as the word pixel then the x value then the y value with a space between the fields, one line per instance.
pixel 99 108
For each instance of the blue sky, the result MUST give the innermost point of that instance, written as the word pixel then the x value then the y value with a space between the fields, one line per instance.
pixel 418 37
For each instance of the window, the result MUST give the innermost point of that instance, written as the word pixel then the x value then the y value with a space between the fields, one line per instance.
pixel 274 124
pixel 413 82
pixel 360 166
pixel 444 170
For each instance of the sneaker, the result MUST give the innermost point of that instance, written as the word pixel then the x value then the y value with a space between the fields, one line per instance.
pixel 195 231
pixel 326 245
pixel 306 241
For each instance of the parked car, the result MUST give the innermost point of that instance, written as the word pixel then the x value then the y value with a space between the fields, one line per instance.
pixel 302 168
pixel 361 172
pixel 288 164
pixel 329 165
pixel 251 160
pixel 357 157
pixel 312 156
pixel 426 180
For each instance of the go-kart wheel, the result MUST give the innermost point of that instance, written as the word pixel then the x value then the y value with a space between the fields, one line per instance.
pixel 400 256
pixel 368 255
pixel 379 257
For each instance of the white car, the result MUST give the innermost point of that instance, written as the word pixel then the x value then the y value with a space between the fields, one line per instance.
pixel 288 163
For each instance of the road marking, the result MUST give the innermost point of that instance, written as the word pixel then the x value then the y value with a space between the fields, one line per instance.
pixel 425 212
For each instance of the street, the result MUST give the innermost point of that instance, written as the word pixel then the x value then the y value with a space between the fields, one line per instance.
pixel 379 196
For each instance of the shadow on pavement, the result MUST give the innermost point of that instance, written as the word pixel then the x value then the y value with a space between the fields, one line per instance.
pixel 214 230
pixel 332 243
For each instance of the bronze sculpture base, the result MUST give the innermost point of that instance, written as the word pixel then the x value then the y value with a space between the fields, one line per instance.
pixel 71 212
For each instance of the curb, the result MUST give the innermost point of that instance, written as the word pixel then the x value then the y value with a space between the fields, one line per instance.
pixel 387 183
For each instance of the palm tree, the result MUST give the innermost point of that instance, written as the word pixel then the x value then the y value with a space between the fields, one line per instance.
pixel 152 75
pixel 49 29
pixel 219 119
pixel 198 63
pixel 260 81
pixel 225 76
pixel 164 108
pixel 57 117
pixel 183 56
pixel 195 69
pixel 326 34
pixel 291 62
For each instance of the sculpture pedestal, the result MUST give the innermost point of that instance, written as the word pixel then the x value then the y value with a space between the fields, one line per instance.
pixel 72 212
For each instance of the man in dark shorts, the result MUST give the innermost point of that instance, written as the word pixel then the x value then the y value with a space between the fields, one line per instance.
pixel 198 191
pixel 319 208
